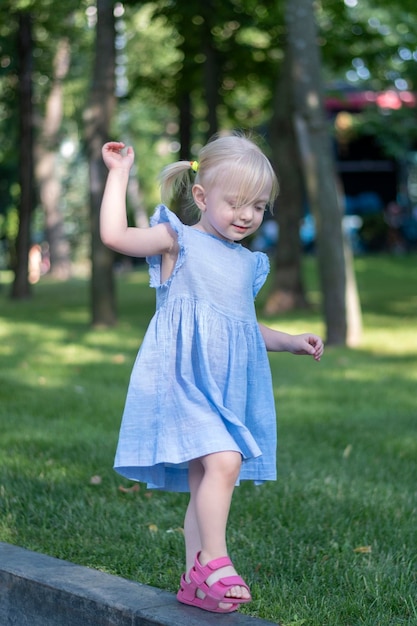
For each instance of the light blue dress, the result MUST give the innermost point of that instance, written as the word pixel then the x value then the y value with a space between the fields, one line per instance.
pixel 201 382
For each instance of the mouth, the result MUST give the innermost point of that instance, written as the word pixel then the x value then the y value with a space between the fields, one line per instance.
pixel 240 229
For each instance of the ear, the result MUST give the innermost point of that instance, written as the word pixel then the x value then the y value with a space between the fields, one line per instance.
pixel 199 196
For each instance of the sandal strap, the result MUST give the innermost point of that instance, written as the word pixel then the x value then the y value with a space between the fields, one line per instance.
pixel 187 595
pixel 200 573
pixel 232 581
pixel 216 592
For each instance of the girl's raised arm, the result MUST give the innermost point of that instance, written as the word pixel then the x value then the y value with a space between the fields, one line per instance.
pixel 114 230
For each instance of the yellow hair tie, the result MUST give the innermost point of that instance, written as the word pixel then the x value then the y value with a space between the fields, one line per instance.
pixel 194 165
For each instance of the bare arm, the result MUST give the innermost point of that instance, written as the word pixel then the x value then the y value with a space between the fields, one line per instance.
pixel 304 344
pixel 114 230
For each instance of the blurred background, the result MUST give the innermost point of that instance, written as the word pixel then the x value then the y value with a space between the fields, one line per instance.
pixel 329 86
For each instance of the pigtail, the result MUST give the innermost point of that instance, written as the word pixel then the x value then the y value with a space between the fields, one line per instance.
pixel 175 181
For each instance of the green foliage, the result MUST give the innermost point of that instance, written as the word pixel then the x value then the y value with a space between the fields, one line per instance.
pixel 245 38
pixel 395 130
pixel 380 36
pixel 8 106
pixel 162 51
pixel 332 542
pixel 51 21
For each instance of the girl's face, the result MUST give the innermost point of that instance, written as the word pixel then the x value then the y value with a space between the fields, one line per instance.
pixel 220 215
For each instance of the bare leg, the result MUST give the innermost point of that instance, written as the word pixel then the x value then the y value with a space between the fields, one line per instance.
pixel 212 481
pixel 193 543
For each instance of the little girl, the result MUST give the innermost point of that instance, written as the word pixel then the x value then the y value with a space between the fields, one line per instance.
pixel 199 413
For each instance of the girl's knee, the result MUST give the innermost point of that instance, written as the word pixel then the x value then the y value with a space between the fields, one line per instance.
pixel 227 464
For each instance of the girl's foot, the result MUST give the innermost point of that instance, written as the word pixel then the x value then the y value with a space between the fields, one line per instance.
pixel 239 592
pixel 209 586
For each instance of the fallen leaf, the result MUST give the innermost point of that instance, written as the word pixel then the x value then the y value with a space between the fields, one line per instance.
pixel 175 530
pixel 347 451
pixel 153 528
pixel 363 549
pixel 132 489
pixel 96 480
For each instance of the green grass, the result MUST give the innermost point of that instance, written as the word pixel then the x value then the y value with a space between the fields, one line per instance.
pixel 332 543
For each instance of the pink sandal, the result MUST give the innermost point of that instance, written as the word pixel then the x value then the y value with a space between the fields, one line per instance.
pixel 213 594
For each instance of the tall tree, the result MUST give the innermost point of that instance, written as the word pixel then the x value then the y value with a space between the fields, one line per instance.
pixel 46 166
pixel 97 119
pixel 211 73
pixel 20 287
pixel 320 177
pixel 287 291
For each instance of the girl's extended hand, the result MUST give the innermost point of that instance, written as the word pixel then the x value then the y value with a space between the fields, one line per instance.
pixel 114 157
pixel 307 344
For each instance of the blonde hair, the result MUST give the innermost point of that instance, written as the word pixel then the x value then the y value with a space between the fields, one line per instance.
pixel 233 160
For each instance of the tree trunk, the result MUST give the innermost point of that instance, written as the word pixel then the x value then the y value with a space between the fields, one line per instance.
pixel 354 312
pixel 314 142
pixel 287 292
pixel 211 93
pixel 185 118
pixel 21 286
pixel 46 169
pixel 136 202
pixel 97 120
pixel 181 204
pixel 210 70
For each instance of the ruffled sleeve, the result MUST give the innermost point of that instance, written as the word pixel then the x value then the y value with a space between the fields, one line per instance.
pixel 163 215
pixel 262 268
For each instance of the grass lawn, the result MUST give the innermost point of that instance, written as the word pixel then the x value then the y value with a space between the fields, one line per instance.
pixel 332 543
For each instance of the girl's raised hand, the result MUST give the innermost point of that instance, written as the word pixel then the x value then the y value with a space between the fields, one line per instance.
pixel 114 155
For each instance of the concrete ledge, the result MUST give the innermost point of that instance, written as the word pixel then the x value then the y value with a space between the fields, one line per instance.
pixel 38 590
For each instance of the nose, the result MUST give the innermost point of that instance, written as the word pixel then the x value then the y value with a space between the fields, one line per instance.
pixel 246 213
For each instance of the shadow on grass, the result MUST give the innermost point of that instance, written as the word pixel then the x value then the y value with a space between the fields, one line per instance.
pixel 347 459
